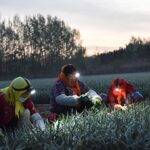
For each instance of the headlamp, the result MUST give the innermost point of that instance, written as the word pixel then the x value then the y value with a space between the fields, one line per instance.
pixel 117 89
pixel 77 75
pixel 32 92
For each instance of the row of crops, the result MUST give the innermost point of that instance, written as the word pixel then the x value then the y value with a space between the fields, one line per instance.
pixel 98 128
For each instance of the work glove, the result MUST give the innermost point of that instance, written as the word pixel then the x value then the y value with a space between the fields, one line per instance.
pixel 83 98
pixel 38 121
pixel 91 98
pixel 85 101
pixel 94 97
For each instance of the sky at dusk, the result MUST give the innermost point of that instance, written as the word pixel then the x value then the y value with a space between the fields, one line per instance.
pixel 103 24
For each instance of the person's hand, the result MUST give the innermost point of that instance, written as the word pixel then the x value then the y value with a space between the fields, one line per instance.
pixel 83 98
pixel 120 107
pixel 117 107
pixel 40 124
pixel 38 121
pixel 124 107
pixel 97 100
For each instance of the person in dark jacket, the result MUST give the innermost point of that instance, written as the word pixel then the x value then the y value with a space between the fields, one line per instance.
pixel 68 93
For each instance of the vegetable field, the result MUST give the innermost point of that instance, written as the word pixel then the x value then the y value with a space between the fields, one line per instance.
pixel 98 128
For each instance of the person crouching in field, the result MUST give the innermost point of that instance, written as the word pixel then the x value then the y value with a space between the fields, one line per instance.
pixel 69 94
pixel 122 93
pixel 16 106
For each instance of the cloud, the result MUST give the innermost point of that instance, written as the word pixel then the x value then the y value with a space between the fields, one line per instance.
pixel 111 15
pixel 102 23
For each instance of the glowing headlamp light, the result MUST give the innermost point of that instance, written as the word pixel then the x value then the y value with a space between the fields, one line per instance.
pixel 32 92
pixel 117 89
pixel 77 75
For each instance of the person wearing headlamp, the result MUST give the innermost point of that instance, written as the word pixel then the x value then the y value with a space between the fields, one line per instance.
pixel 122 93
pixel 68 93
pixel 16 105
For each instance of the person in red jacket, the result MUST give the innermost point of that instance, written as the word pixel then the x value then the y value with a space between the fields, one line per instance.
pixel 16 103
pixel 121 93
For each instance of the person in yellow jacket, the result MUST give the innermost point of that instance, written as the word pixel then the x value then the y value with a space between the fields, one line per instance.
pixel 16 103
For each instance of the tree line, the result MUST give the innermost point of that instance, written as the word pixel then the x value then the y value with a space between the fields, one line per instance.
pixel 39 46
pixel 134 57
